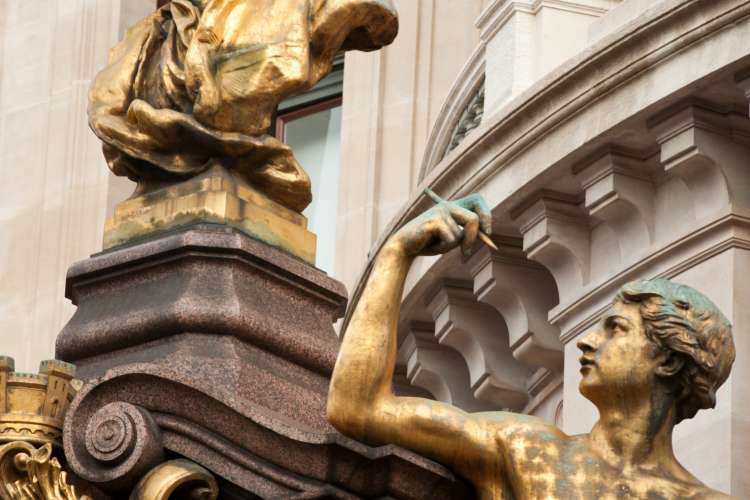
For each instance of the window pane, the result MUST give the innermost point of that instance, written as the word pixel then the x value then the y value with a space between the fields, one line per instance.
pixel 316 141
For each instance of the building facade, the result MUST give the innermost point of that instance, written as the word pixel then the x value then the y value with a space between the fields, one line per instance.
pixel 609 137
pixel 610 145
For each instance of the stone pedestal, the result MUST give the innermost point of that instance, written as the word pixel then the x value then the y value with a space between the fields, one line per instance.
pixel 208 344
pixel 216 196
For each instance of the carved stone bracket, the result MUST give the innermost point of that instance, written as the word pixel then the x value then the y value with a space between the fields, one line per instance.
pixel 523 293
pixel 438 369
pixel 479 334
pixel 620 193
pixel 707 148
pixel 556 234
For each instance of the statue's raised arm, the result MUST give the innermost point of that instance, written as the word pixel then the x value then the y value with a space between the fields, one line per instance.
pixel 361 403
pixel 658 356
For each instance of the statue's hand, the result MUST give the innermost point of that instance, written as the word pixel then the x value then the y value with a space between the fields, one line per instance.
pixel 445 226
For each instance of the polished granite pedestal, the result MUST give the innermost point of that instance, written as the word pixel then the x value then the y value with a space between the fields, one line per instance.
pixel 207 344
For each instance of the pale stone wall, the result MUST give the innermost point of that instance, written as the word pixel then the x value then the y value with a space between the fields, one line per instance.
pixel 54 183
pixel 392 99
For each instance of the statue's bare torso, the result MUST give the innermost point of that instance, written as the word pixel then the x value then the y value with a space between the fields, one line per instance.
pixel 543 462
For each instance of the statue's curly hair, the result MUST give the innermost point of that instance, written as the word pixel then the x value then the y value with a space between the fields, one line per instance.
pixel 679 318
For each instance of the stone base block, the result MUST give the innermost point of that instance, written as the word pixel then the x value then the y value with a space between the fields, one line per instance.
pixel 210 345
pixel 214 197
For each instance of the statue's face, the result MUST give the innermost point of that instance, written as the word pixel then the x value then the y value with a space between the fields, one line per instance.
pixel 618 360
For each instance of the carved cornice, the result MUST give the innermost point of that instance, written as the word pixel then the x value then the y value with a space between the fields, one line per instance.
pixel 581 85
pixel 33 407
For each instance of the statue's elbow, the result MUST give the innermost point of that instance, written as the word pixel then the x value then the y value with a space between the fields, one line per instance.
pixel 344 417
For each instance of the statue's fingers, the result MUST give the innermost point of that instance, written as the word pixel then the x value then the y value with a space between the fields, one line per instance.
pixel 477 204
pixel 447 235
pixel 471 229
pixel 470 222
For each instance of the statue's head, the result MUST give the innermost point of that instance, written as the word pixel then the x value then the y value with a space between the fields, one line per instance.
pixel 662 339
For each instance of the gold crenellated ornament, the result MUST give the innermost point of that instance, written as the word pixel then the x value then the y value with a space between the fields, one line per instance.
pixel 33 406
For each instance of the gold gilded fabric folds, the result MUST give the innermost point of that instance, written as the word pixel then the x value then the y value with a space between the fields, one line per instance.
pixel 197 84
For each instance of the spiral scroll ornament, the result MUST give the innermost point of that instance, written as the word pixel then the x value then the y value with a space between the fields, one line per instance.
pixel 113 448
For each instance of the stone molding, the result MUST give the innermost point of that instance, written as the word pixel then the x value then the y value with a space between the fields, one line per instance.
pixel 466 86
pixel 615 61
pixel 499 12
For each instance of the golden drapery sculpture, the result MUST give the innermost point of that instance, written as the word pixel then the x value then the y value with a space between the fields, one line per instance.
pixel 196 85
pixel 658 356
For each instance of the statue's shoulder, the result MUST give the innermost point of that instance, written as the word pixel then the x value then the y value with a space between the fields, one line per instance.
pixel 514 425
